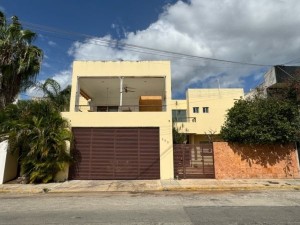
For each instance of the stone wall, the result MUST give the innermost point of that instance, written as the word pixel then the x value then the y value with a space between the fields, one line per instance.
pixel 237 161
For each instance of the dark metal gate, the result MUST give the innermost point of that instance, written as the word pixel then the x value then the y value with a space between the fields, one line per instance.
pixel 116 153
pixel 193 161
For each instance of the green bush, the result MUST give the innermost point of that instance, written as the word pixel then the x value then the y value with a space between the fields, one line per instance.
pixel 262 121
pixel 38 132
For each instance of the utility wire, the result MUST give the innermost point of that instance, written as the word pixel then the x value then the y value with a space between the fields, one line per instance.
pixel 290 61
pixel 133 47
pixel 285 72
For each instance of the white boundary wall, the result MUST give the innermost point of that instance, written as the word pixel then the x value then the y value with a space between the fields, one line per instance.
pixel 8 164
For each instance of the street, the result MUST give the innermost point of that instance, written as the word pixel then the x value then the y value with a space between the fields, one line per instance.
pixel 260 207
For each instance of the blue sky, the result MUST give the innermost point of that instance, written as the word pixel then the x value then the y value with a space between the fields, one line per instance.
pixel 258 31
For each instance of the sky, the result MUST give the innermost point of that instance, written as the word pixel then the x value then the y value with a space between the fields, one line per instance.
pixel 189 33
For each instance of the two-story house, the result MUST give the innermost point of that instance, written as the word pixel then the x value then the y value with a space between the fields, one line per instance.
pixel 122 114
pixel 121 119
pixel 203 112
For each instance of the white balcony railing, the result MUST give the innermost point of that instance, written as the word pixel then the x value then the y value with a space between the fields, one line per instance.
pixel 123 108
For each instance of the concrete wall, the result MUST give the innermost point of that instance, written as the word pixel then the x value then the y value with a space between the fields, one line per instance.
pixel 179 104
pixel 236 161
pixel 8 164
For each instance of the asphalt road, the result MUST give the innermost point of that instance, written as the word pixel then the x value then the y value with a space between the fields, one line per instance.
pixel 265 207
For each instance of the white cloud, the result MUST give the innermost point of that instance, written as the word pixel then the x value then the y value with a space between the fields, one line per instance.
pixel 62 77
pixel 52 43
pixel 45 64
pixel 256 31
pixel 34 92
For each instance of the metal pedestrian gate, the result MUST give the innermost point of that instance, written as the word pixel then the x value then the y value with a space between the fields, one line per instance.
pixel 193 161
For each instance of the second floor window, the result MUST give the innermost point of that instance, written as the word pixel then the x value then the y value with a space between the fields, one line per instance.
pixel 205 110
pixel 195 109
pixel 179 115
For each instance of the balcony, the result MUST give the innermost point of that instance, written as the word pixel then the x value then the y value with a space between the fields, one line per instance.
pixel 120 94
pixel 186 125
pixel 184 120
pixel 123 108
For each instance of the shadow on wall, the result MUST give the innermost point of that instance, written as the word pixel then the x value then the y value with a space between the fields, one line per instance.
pixel 264 155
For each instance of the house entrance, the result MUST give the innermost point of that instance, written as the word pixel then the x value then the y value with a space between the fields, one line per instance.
pixel 193 161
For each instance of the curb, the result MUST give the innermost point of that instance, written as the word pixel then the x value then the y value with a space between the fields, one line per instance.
pixel 227 188
pixel 162 189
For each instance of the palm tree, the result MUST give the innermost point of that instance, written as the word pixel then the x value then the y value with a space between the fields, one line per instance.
pixel 53 93
pixel 20 61
pixel 36 130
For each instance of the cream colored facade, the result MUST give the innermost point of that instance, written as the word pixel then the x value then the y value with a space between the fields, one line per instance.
pixel 109 94
pixel 112 91
pixel 205 111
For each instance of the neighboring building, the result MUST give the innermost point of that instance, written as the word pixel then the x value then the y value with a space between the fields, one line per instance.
pixel 121 118
pixel 202 113
pixel 276 81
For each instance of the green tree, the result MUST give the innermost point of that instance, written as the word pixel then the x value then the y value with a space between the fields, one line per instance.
pixel 53 93
pixel 20 61
pixel 178 137
pixel 262 121
pixel 36 130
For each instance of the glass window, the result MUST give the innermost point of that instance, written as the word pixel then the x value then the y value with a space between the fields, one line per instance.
pixel 205 110
pixel 179 116
pixel 195 109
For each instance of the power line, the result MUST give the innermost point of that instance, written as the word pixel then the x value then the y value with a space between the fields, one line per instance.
pixel 290 61
pixel 285 72
pixel 133 47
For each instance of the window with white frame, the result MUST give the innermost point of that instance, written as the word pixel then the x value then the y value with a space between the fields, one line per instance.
pixel 195 109
pixel 205 109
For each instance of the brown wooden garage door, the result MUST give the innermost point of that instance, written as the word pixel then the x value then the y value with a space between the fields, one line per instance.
pixel 116 153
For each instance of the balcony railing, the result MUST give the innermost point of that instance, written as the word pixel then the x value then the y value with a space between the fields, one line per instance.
pixel 184 120
pixel 124 108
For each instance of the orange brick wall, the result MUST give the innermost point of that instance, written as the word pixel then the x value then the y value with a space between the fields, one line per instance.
pixel 245 161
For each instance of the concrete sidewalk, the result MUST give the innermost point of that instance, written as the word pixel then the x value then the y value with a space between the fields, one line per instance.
pixel 84 186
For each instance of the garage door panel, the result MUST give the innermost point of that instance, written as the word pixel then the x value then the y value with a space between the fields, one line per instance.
pixel 102 151
pixel 104 158
pixel 106 161
pixel 149 164
pixel 102 142
pixel 125 131
pixel 116 153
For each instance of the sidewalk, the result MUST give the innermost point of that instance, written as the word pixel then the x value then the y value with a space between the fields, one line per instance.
pixel 85 186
